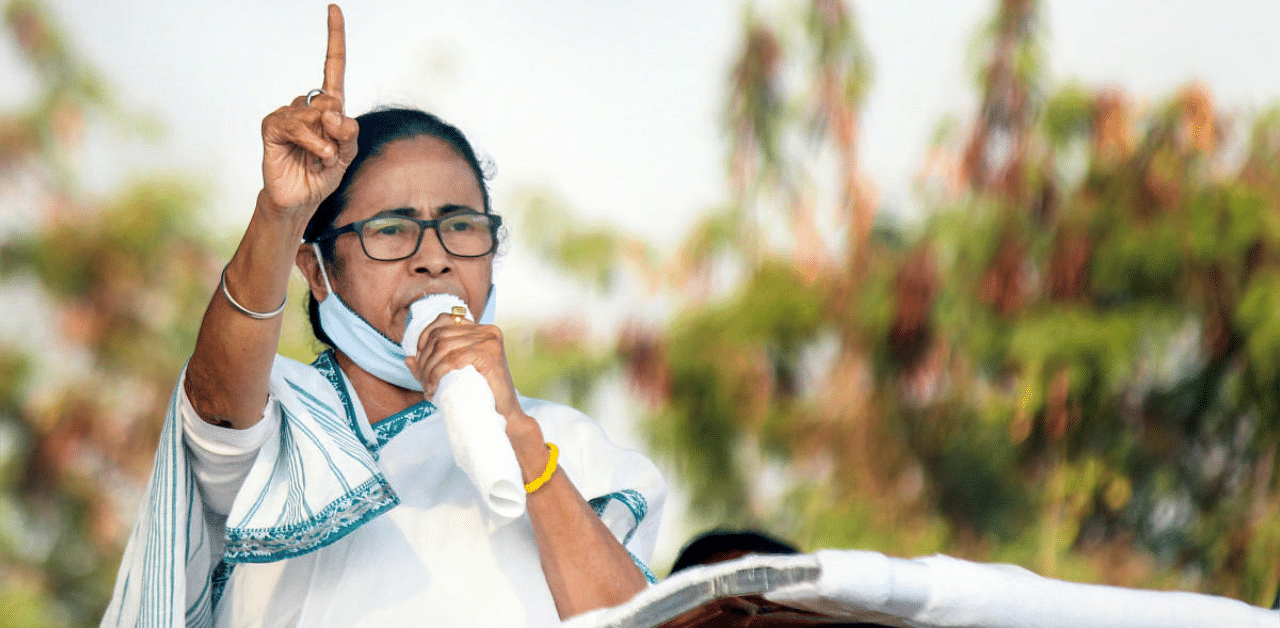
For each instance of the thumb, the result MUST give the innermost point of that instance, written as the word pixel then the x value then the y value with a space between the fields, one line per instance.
pixel 344 130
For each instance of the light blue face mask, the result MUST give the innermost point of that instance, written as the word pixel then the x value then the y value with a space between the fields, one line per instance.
pixel 369 348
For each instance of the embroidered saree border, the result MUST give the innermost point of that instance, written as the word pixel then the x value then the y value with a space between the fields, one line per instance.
pixel 337 520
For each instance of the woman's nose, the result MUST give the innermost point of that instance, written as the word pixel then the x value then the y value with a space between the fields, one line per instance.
pixel 431 257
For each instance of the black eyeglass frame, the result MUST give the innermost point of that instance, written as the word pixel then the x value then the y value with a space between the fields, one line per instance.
pixel 357 227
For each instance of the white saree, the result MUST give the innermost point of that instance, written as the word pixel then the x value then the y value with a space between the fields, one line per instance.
pixel 340 523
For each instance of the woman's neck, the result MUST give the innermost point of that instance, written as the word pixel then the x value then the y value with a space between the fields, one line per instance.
pixel 379 399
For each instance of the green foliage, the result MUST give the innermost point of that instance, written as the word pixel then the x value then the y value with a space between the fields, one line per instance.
pixel 754 113
pixel 833 30
pixel 1096 348
pixel 134 234
pixel 1074 374
pixel 561 371
pixel 1259 323
pixel 777 305
pixel 717 233
pixel 724 362
pixel 586 252
pixel 974 470
pixel 855 523
pixel 120 284
pixel 1225 223
pixel 25 607
pixel 1137 261
pixel 1068 116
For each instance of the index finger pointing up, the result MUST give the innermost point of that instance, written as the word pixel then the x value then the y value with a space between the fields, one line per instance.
pixel 335 59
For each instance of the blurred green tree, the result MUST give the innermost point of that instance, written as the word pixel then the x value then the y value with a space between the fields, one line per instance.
pixel 1070 365
pixel 102 297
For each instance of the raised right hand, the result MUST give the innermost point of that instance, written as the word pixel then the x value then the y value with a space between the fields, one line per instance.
pixel 307 148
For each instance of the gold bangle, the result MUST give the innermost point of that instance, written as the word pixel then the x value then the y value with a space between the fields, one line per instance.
pixel 546 474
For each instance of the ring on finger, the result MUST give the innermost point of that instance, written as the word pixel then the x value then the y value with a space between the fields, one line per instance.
pixel 458 312
pixel 312 94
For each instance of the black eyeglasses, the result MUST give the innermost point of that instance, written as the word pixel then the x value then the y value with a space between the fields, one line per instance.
pixel 391 238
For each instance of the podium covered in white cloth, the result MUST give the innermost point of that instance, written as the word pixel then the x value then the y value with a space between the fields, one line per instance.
pixel 850 586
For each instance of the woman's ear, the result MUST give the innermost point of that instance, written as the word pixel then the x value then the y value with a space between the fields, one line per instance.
pixel 309 264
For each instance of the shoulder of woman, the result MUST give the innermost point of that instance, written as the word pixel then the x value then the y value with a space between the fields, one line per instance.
pixel 319 379
pixel 596 464
pixel 572 430
pixel 284 367
pixel 550 413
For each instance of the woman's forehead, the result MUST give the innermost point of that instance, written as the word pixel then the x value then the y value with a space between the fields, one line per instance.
pixel 423 173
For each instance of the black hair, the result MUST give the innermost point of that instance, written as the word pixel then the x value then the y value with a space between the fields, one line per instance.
pixel 377 129
pixel 708 545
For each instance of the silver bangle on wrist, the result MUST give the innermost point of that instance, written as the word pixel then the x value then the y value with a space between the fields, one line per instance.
pixel 244 310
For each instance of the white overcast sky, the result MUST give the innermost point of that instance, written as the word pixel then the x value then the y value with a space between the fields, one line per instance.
pixel 613 104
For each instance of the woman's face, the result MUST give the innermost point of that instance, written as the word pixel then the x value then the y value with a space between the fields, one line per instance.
pixel 421 177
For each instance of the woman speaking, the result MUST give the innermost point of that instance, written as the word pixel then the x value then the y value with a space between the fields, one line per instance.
pixel 399 479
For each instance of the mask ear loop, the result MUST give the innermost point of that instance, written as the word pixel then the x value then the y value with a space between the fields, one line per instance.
pixel 323 275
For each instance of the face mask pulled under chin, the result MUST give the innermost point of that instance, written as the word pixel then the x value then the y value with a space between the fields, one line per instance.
pixel 369 348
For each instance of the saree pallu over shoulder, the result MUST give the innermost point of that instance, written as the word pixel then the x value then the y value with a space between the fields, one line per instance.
pixel 169 548
pixel 313 482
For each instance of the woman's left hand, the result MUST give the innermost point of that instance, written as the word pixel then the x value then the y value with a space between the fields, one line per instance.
pixel 446 345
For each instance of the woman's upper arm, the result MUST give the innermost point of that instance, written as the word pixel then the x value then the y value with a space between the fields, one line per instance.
pixel 221 457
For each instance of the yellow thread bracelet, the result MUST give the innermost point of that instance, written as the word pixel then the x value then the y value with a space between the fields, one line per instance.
pixel 546 474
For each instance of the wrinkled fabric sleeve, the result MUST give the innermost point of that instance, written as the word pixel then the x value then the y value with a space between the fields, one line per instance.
pixel 221 457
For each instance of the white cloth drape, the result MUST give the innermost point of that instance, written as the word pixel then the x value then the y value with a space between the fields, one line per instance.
pixel 941 591
pixel 326 490
pixel 932 592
